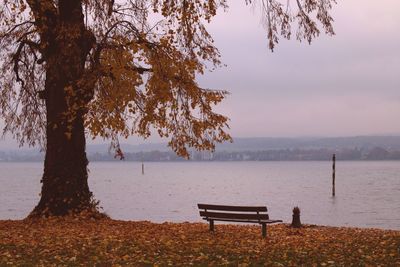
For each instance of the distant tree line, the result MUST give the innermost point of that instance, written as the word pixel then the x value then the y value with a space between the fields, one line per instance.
pixel 376 153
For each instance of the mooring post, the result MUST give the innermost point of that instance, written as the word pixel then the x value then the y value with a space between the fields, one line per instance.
pixel 333 174
pixel 296 223
pixel 142 168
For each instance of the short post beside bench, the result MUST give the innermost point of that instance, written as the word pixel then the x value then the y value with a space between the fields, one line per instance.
pixel 244 214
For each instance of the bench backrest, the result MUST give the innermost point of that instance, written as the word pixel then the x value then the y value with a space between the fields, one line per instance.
pixel 233 212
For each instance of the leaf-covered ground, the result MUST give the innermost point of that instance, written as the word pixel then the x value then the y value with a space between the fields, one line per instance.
pixel 108 242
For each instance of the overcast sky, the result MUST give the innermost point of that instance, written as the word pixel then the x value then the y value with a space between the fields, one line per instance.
pixel 348 84
pixel 344 85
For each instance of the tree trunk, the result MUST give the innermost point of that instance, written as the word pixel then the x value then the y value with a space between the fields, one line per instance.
pixel 65 187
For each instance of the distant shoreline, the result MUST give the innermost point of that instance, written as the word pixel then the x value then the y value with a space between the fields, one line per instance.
pixel 209 161
pixel 243 149
pixel 355 154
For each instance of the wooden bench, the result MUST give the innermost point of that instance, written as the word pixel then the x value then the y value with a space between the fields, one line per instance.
pixel 245 214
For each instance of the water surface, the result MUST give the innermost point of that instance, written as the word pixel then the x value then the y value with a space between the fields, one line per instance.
pixel 367 192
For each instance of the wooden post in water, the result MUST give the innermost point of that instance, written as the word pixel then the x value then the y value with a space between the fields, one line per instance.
pixel 142 167
pixel 333 174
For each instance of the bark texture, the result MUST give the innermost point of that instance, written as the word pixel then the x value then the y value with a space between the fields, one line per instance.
pixel 65 187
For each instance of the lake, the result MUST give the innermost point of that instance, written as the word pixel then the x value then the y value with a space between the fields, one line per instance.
pixel 367 192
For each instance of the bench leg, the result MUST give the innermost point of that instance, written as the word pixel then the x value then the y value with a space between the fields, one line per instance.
pixel 264 230
pixel 212 225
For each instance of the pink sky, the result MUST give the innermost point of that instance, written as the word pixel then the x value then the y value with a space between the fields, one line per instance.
pixel 344 85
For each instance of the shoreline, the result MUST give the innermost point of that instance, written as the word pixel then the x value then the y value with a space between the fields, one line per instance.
pixel 227 223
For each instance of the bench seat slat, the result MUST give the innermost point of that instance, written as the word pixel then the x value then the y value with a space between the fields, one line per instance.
pixel 233 208
pixel 234 216
pixel 246 221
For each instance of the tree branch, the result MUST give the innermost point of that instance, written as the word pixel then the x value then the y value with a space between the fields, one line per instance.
pixel 46 17
pixel 17 55
pixel 15 27
pixel 42 10
pixel 110 7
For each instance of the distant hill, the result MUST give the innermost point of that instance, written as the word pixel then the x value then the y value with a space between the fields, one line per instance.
pixel 272 143
pixel 356 147
pixel 101 148
pixel 268 143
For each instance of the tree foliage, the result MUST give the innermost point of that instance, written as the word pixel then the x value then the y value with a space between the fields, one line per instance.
pixel 140 66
